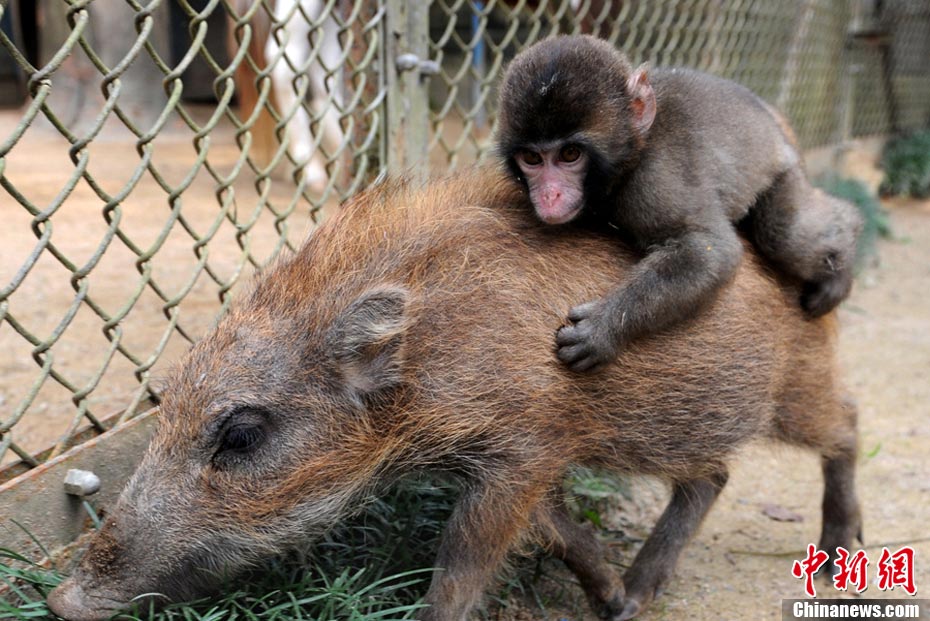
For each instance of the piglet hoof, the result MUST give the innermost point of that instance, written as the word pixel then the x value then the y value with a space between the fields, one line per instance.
pixel 638 597
pixel 609 608
pixel 630 609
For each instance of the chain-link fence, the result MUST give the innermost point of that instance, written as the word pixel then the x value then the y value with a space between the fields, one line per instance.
pixel 152 155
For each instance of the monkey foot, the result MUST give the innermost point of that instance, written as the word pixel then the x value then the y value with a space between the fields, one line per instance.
pixel 586 344
pixel 819 298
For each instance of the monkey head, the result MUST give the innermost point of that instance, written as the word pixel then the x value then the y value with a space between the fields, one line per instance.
pixel 573 117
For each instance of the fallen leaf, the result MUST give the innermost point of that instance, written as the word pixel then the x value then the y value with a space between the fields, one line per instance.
pixel 780 514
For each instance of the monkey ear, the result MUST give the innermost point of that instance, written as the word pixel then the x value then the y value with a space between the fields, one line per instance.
pixel 367 342
pixel 643 99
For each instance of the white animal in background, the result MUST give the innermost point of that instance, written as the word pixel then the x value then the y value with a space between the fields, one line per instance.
pixel 309 67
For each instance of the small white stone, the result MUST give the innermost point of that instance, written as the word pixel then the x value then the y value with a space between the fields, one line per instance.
pixel 81 482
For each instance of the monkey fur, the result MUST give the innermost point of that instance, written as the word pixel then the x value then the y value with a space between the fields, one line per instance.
pixel 672 160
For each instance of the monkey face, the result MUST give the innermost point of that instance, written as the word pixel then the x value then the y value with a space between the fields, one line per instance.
pixel 555 177
pixel 573 117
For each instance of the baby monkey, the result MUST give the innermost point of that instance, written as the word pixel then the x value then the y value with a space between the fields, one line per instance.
pixel 672 159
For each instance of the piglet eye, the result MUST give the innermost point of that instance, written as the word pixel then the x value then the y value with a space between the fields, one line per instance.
pixel 242 432
pixel 242 438
pixel 531 158
pixel 570 153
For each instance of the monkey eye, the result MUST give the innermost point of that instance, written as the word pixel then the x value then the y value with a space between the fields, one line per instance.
pixel 569 153
pixel 531 158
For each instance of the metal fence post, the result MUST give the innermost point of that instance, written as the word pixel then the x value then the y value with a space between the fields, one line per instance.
pixel 407 67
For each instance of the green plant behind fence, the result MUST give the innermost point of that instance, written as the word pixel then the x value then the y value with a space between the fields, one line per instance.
pixel 906 162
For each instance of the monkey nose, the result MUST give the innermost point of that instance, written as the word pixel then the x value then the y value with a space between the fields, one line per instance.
pixel 551 195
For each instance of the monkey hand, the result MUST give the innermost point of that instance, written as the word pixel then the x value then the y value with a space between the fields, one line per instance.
pixel 588 343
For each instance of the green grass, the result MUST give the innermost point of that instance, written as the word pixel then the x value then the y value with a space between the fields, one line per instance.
pixel 876 223
pixel 286 592
pixel 375 566
pixel 590 493
pixel 906 161
pixel 27 585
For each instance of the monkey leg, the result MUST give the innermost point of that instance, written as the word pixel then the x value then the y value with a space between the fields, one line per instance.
pixel 577 546
pixel 842 520
pixel 653 566
pixel 811 236
pixel 486 522
pixel 776 227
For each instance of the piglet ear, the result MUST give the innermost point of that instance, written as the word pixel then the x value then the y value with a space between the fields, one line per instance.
pixel 367 341
pixel 642 99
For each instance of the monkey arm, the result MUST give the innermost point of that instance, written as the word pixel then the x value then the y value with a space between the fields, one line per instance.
pixel 674 280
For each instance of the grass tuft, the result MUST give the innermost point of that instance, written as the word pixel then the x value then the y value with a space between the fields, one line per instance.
pixel 373 567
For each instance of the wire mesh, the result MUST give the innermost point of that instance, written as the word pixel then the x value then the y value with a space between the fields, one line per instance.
pixel 166 151
pixel 802 56
pixel 163 151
